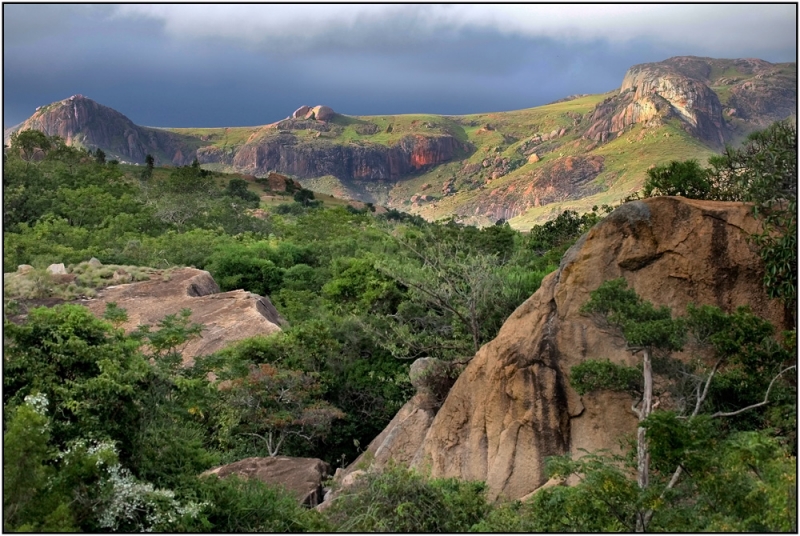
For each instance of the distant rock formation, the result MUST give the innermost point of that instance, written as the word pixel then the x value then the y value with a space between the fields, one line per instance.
pixel 301 112
pixel 556 180
pixel 281 183
pixel 653 93
pixel 283 152
pixel 83 122
pixel 302 477
pixel 319 113
pixel 513 406
pixel 681 88
pixel 226 316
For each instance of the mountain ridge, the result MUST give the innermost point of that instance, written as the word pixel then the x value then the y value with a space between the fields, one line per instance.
pixel 520 165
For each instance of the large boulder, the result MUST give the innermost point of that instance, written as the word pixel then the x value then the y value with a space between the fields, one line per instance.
pixel 301 112
pixel 302 477
pixel 513 406
pixel 56 269
pixel 226 316
pixel 320 113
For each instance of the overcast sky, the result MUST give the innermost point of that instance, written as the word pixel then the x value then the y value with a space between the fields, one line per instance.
pixel 183 65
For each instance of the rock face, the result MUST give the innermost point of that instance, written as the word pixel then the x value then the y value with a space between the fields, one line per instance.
pixel 302 477
pixel 280 183
pixel 226 316
pixel 284 153
pixel 82 121
pixel 653 93
pixel 513 405
pixel 560 179
pixel 688 88
pixel 301 112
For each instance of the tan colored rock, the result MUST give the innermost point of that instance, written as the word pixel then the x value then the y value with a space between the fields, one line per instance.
pixel 24 269
pixel 57 268
pixel 121 276
pixel 226 316
pixel 533 158
pixel 301 112
pixel 513 405
pixel 280 183
pixel 320 113
pixel 351 478
pixel 302 477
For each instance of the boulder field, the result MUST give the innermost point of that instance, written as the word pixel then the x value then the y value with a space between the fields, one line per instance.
pixel 513 406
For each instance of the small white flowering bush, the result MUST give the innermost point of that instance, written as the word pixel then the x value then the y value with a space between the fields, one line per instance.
pixel 138 506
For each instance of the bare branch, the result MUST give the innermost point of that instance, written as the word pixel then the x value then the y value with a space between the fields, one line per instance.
pixel 702 398
pixel 764 403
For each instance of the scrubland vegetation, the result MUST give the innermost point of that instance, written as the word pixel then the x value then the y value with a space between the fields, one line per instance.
pixel 105 431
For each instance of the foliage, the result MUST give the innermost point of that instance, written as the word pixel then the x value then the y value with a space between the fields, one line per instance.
pixel 277 403
pixel 84 368
pixel 596 374
pixel 687 179
pixel 25 475
pixel 238 188
pixel 233 505
pixel 126 428
pixel 641 324
pixel 402 500
pixel 565 228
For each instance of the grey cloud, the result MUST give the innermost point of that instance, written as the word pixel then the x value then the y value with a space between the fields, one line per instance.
pixel 409 60
pixel 710 28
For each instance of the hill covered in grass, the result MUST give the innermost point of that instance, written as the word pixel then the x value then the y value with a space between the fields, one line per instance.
pixel 523 166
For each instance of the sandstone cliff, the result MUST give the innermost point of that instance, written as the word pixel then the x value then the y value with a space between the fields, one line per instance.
pixel 285 153
pixel 226 316
pixel 513 406
pixel 84 122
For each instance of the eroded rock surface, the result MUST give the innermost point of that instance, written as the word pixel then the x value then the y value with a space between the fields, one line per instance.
pixel 513 405
pixel 302 477
pixel 226 316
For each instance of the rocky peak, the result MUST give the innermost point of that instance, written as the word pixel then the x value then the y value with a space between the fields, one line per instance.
pixel 654 92
pixel 83 122
pixel 700 92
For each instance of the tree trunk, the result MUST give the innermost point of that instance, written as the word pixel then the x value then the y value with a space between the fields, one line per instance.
pixel 642 452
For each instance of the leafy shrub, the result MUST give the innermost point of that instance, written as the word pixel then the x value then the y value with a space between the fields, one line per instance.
pixel 402 500
pixel 687 179
pixel 238 188
pixel 594 374
pixel 233 505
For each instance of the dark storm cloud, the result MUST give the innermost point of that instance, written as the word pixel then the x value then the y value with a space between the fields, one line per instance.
pixel 179 65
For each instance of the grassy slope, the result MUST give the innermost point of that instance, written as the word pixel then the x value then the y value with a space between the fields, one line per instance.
pixel 268 198
pixel 626 158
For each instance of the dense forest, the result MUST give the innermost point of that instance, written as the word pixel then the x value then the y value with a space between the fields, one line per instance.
pixel 107 431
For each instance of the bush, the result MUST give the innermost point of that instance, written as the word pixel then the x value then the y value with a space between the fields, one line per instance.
pixel 686 179
pixel 594 374
pixel 403 500
pixel 235 505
